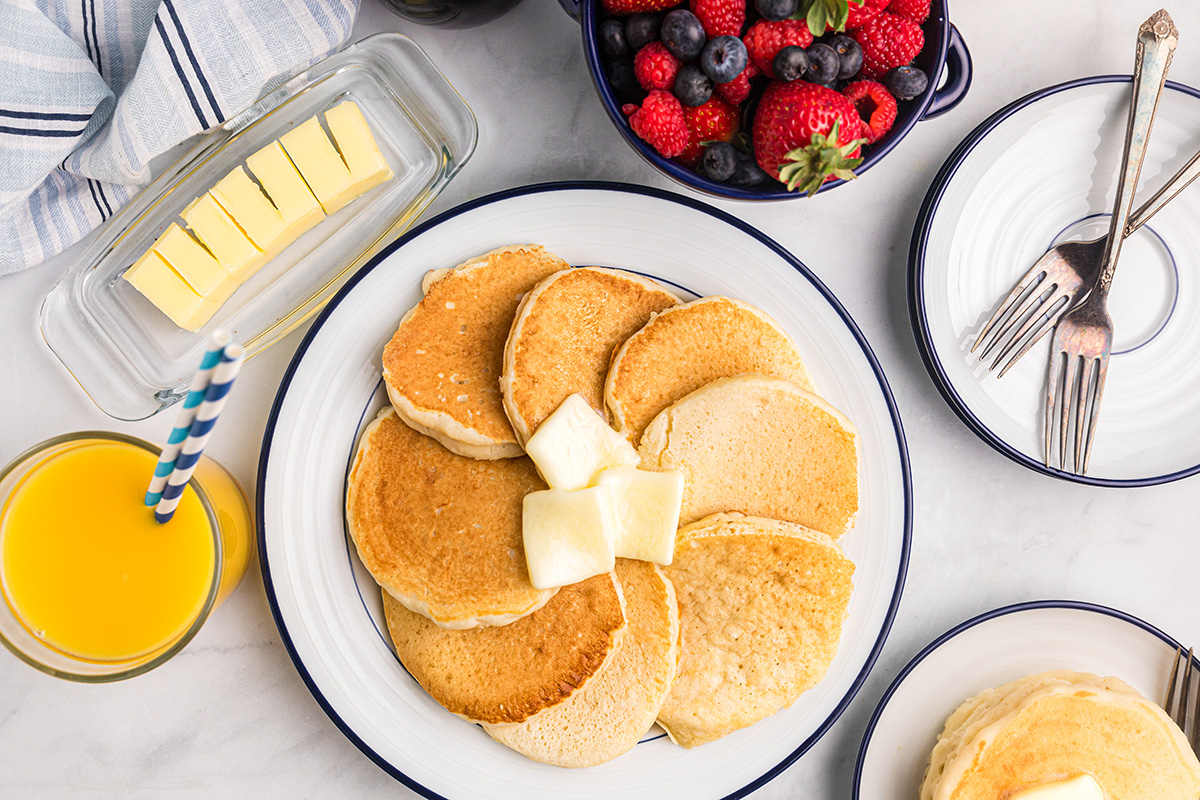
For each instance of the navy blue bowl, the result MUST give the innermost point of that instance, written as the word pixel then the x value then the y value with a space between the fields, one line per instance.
pixel 944 51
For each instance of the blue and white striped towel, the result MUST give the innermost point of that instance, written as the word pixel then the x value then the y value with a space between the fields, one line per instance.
pixel 91 90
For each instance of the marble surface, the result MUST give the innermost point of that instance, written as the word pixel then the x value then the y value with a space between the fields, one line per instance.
pixel 231 717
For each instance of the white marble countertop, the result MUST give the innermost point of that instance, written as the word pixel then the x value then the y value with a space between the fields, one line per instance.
pixel 230 717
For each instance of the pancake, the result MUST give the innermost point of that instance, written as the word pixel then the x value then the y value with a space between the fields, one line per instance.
pixel 511 673
pixel 687 346
pixel 761 605
pixel 1053 726
pixel 440 532
pixel 564 335
pixel 442 366
pixel 761 446
pixel 615 709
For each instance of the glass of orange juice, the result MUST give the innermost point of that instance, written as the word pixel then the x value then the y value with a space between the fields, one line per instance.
pixel 94 589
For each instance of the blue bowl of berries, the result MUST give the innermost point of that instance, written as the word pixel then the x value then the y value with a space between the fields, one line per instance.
pixel 739 98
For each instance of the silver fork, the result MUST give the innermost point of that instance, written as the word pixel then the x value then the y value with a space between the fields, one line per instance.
pixel 1176 703
pixel 1083 336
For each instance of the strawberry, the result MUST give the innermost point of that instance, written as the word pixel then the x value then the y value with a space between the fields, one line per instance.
pixel 765 39
pixel 655 67
pixel 838 15
pixel 875 106
pixel 738 89
pixel 888 41
pixel 916 10
pixel 720 17
pixel 659 121
pixel 805 134
pixel 637 6
pixel 715 121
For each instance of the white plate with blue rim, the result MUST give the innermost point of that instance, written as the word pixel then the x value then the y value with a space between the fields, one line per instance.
pixel 326 606
pixel 996 647
pixel 1040 171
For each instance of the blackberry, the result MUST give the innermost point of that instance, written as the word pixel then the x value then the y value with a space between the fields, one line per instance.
pixel 692 86
pixel 683 34
pixel 790 63
pixel 724 58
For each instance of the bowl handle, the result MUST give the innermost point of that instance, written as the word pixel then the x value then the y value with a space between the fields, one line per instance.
pixel 571 7
pixel 958 77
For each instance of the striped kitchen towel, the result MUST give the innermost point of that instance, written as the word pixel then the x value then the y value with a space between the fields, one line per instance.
pixel 92 90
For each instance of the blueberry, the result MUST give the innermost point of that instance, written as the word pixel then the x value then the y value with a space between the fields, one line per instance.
pixel 776 10
pixel 683 34
pixel 747 172
pixel 719 162
pixel 790 63
pixel 905 82
pixel 641 30
pixel 724 58
pixel 623 80
pixel 612 39
pixel 823 63
pixel 692 86
pixel 849 54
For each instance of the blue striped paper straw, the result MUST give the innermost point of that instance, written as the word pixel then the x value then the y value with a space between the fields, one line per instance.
pixel 206 417
pixel 183 424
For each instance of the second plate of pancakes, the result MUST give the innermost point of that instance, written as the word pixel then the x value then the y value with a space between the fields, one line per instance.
pixel 328 608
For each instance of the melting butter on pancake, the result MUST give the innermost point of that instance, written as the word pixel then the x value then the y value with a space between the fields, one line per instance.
pixel 512 673
pixel 761 446
pixel 761 606
pixel 685 347
pixel 1047 728
pixel 442 367
pixel 564 335
pixel 614 710
pixel 441 532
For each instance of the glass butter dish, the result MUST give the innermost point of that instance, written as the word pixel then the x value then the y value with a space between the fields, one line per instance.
pixel 128 356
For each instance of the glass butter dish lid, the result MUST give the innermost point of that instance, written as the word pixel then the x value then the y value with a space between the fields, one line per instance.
pixel 129 357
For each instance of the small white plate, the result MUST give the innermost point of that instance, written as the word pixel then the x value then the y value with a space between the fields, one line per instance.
pixel 1040 171
pixel 988 651
pixel 327 607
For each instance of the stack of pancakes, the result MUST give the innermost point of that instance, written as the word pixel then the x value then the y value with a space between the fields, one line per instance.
pixel 1055 726
pixel 746 617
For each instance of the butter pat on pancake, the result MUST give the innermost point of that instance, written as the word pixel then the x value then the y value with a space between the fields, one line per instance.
pixel 511 673
pixel 440 532
pixel 685 347
pixel 614 710
pixel 761 606
pixel 564 335
pixel 442 367
pixel 761 446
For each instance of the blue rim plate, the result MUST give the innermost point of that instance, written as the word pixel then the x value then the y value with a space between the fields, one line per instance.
pixel 996 647
pixel 1002 199
pixel 320 606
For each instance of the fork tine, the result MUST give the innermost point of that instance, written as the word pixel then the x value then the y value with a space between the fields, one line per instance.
pixel 1195 737
pixel 1056 359
pixel 1031 278
pixel 1185 694
pixel 1085 410
pixel 1169 701
pixel 1033 308
pixel 1093 414
pixel 1070 405
pixel 1030 301
pixel 1030 341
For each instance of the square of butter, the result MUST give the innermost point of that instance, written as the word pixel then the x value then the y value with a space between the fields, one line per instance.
pixel 194 264
pixel 575 443
pixel 223 238
pixel 287 190
pixel 319 163
pixel 352 135
pixel 568 536
pixel 169 293
pixel 645 509
pixel 250 209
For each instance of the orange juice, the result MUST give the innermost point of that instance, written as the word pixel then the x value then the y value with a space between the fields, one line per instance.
pixel 89 573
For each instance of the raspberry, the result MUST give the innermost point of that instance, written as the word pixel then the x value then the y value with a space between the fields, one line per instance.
pixel 765 39
pixel 737 90
pixel 859 14
pixel 875 106
pixel 660 122
pixel 655 67
pixel 720 17
pixel 916 10
pixel 888 41
pixel 624 7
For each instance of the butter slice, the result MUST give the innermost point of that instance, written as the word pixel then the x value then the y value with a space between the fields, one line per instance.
pixel 323 169
pixel 568 536
pixel 352 134
pixel 194 264
pixel 1081 787
pixel 251 210
pixel 287 190
pixel 223 238
pixel 573 444
pixel 645 511
pixel 163 287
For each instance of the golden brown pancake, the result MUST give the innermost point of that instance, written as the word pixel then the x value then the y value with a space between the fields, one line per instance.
pixel 685 347
pixel 761 446
pixel 442 366
pixel 615 709
pixel 511 673
pixel 441 532
pixel 564 335
pixel 761 605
